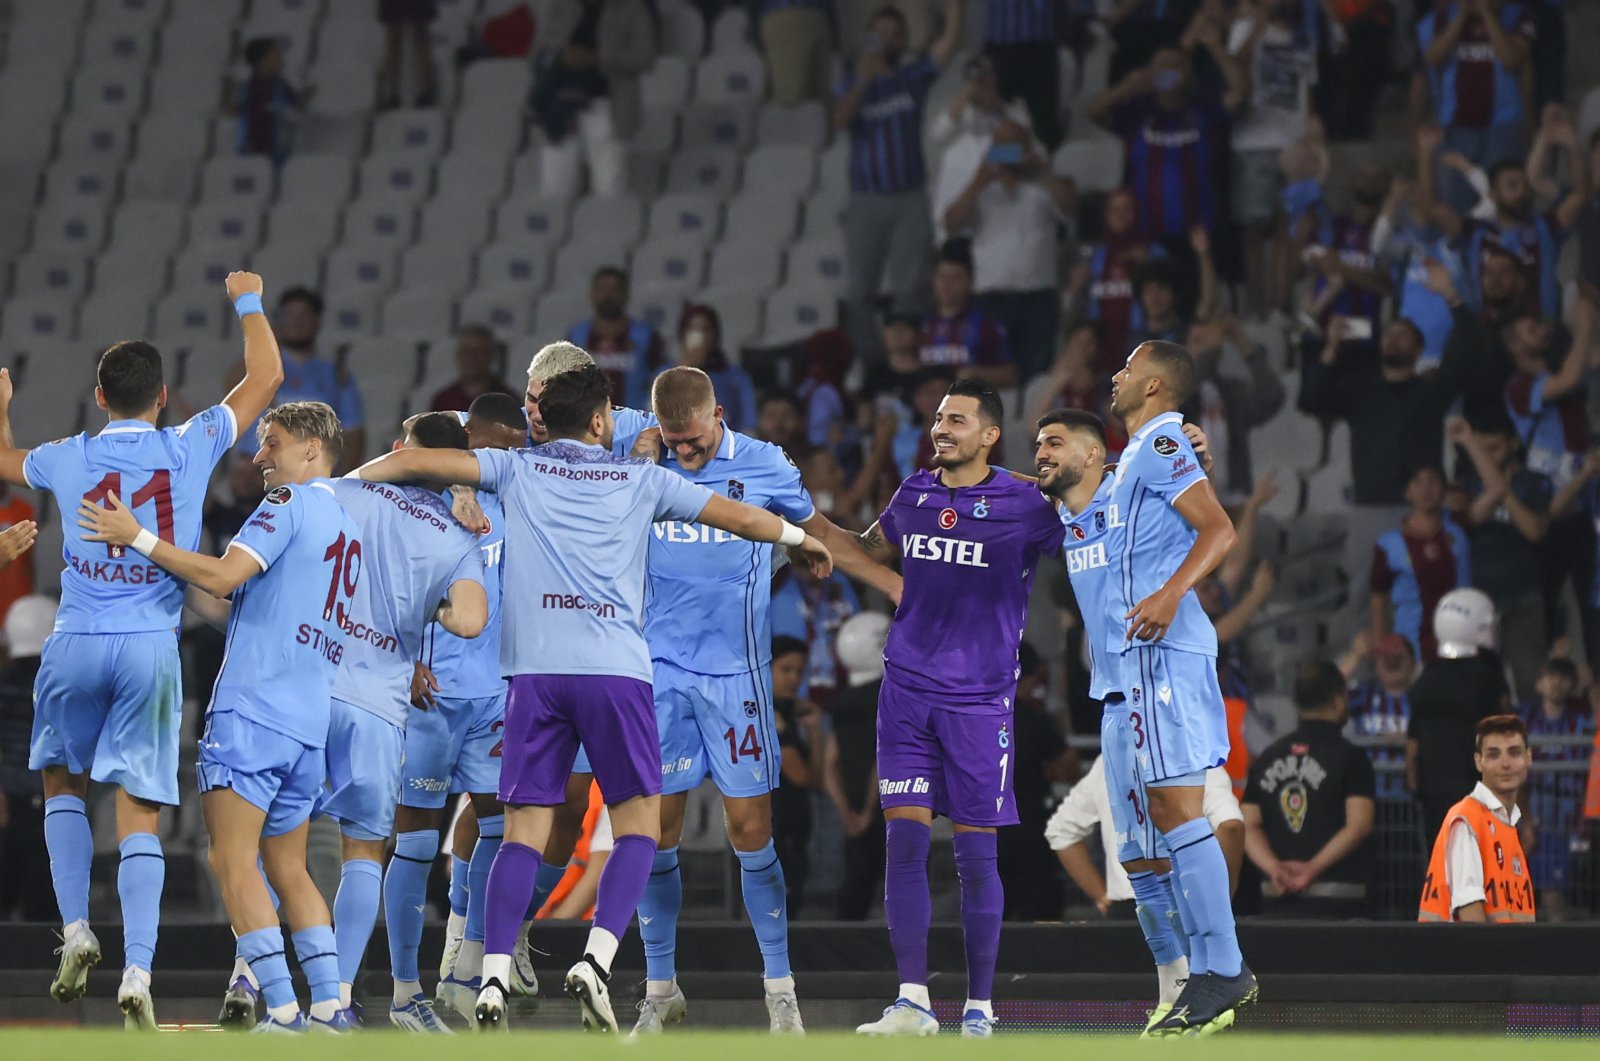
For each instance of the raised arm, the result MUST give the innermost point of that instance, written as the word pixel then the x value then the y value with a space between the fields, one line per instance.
pixel 1510 49
pixel 851 557
pixel 1576 364
pixel 116 525
pixel 1150 618
pixel 1428 204
pixel 1136 83
pixel 465 612
pixel 1445 38
pixel 457 467
pixel 263 364
pixel 11 458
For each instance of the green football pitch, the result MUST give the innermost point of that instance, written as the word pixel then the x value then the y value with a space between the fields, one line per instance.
pixel 705 1046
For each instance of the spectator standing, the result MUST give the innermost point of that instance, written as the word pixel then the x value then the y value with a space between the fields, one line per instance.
pixel 1424 264
pixel 1515 227
pixel 1176 130
pixel 309 377
pixel 700 346
pixel 781 421
pixel 1021 37
pixel 1477 871
pixel 621 34
pixel 571 106
pixel 407 21
pixel 1344 256
pixel 1415 564
pixel 1466 684
pixel 1506 511
pixel 802 745
pixel 1353 65
pixel 959 335
pixel 1396 423
pixel 628 351
pixel 476 351
pixel 1102 288
pixel 1309 808
pixel 1270 38
pixel 25 891
pixel 1016 206
pixel 852 771
pixel 264 100
pixel 797 40
pixel 1380 705
pixel 1228 405
pixel 880 104
pixel 1547 411
pixel 1580 499
pixel 1476 52
pixel 1554 801
pixel 811 610
pixel 964 131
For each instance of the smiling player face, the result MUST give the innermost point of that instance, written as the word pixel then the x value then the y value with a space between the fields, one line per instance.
pixel 530 402
pixel 1062 458
pixel 959 435
pixel 285 460
pixel 694 442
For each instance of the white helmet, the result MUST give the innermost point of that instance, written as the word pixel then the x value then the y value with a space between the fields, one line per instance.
pixel 1464 623
pixel 28 624
pixel 859 644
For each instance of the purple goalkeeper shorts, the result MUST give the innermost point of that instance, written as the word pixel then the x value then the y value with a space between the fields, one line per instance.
pixel 547 715
pixel 957 762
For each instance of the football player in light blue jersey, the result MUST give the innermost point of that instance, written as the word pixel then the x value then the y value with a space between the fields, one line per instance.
pixel 452 745
pixel 1167 531
pixel 419 564
pixel 109 691
pixel 292 570
pixel 577 531
pixel 708 621
pixel 1071 462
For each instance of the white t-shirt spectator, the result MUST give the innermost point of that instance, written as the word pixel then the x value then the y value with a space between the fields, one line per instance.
pixel 1014 238
pixel 961 145
pixel 1282 71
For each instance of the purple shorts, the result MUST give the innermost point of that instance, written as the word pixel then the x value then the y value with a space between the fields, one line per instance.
pixel 956 762
pixel 547 715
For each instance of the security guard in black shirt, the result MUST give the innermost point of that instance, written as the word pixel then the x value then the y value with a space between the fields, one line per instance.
pixel 1309 805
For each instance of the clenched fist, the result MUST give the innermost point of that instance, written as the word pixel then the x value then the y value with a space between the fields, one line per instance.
pixel 243 283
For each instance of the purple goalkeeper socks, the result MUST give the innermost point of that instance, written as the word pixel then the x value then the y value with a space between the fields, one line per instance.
pixel 622 882
pixel 983 900
pixel 906 904
pixel 506 897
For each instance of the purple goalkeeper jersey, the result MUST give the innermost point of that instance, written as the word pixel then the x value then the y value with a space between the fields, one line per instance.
pixel 968 555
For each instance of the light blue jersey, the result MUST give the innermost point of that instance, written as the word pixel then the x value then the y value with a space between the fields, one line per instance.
pixel 1148 540
pixel 287 632
pixel 577 524
pixel 1088 569
pixel 709 597
pixel 162 476
pixel 412 550
pixel 469 667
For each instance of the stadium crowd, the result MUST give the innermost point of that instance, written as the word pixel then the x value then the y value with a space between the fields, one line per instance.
pixel 1422 292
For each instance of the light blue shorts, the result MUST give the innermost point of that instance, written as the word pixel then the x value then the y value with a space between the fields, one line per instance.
pixel 366 758
pixel 1174 698
pixel 111 705
pixel 716 724
pixel 1120 744
pixel 455 747
pixel 263 767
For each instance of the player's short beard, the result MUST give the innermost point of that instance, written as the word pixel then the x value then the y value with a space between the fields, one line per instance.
pixel 1065 479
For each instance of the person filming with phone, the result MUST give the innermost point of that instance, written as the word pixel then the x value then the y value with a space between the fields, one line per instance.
pixel 1015 207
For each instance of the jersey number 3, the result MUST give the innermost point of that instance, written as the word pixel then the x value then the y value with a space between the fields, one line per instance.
pixel 158 489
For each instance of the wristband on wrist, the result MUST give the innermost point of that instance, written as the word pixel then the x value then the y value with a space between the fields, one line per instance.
pixel 144 541
pixel 247 303
pixel 791 534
